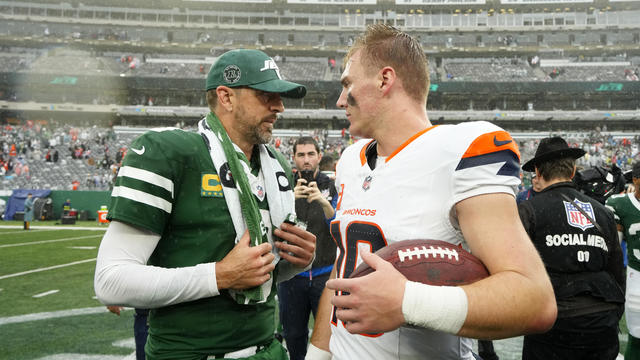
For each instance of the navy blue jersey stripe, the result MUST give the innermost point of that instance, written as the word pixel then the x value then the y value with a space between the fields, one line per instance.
pixel 510 159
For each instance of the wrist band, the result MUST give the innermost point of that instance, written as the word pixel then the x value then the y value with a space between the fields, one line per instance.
pixel 620 236
pixel 314 353
pixel 441 308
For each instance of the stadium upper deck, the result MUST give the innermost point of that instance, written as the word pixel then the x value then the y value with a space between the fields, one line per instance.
pixel 453 28
pixel 332 5
pixel 340 15
pixel 480 51
pixel 133 88
pixel 460 28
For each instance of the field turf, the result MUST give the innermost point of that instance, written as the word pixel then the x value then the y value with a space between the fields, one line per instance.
pixel 48 308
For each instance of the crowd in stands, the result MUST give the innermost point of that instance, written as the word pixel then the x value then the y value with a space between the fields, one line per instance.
pixel 520 69
pixel 632 75
pixel 602 149
pixel 489 69
pixel 151 65
pixel 591 73
pixel 36 156
pixel 494 69
pixel 54 157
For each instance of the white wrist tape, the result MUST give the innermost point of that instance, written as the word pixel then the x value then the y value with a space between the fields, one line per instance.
pixel 314 353
pixel 441 308
pixel 620 236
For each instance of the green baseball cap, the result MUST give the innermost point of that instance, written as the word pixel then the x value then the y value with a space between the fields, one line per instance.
pixel 254 69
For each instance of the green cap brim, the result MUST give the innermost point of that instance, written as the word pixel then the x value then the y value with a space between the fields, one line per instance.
pixel 285 88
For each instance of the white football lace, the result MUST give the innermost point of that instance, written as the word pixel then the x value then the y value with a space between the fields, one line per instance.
pixel 427 252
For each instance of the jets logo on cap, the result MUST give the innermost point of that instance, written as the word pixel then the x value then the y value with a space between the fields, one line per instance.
pixel 269 64
pixel 231 74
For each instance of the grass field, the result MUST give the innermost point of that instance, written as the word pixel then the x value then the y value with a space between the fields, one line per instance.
pixel 48 309
pixel 44 275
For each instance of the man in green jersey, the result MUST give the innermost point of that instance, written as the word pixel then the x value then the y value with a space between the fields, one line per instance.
pixel 201 226
pixel 626 210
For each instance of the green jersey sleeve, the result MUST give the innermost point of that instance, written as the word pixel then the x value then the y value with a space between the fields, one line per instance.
pixel 613 203
pixel 144 190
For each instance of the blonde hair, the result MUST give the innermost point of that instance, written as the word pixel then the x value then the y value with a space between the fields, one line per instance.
pixel 383 45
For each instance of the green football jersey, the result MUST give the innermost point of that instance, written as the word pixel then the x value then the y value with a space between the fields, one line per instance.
pixel 168 185
pixel 626 210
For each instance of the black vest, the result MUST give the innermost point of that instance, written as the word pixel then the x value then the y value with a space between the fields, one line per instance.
pixel 580 260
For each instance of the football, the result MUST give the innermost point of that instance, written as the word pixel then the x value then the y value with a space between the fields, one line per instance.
pixel 432 262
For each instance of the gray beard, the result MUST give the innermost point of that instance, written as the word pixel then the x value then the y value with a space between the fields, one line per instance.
pixel 254 135
pixel 258 137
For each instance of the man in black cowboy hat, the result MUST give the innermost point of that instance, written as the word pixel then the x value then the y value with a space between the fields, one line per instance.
pixel 577 240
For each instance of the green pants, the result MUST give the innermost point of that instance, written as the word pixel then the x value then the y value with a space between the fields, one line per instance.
pixel 275 351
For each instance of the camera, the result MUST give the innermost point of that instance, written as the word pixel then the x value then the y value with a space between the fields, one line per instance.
pixel 599 182
pixel 307 175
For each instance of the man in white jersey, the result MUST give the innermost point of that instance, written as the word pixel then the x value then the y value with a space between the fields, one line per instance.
pixel 410 180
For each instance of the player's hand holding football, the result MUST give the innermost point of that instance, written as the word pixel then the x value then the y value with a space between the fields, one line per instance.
pixel 298 245
pixel 374 303
pixel 245 266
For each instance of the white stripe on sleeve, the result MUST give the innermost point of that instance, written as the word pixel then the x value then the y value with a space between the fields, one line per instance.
pixel 142 197
pixel 147 176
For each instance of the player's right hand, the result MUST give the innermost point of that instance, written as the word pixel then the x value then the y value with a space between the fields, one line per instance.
pixel 374 301
pixel 245 266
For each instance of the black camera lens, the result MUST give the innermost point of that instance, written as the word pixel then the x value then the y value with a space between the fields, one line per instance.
pixel 307 175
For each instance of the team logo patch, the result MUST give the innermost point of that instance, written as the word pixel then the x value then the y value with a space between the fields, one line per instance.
pixel 211 186
pixel 227 177
pixel 326 194
pixel 575 218
pixel 366 184
pixel 283 181
pixel 232 74
pixel 259 192
pixel 263 228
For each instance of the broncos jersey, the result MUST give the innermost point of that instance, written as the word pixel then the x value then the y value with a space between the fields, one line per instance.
pixel 411 195
pixel 626 211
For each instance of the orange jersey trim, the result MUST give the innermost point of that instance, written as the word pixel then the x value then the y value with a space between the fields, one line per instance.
pixel 409 141
pixel 492 142
pixel 363 153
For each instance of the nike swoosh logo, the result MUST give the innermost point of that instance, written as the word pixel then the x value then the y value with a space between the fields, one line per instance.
pixel 496 142
pixel 141 151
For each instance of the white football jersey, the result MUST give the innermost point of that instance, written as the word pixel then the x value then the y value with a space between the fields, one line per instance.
pixel 411 195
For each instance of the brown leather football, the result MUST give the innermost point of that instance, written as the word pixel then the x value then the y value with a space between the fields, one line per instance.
pixel 432 262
